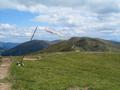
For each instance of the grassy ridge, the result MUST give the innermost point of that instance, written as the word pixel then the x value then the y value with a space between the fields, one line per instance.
pixel 84 44
pixel 0 59
pixel 98 71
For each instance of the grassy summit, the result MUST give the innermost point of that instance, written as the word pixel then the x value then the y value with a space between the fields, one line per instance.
pixel 84 44
pixel 59 71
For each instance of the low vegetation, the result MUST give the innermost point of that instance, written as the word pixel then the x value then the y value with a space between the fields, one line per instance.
pixel 84 44
pixel 61 71
pixel 0 59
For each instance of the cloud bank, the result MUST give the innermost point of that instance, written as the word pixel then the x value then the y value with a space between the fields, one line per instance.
pixel 94 18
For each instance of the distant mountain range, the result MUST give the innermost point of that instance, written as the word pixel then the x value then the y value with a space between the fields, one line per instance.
pixel 73 44
pixel 1 50
pixel 26 48
pixel 6 46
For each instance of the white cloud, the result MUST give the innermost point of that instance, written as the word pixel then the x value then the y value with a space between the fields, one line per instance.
pixel 76 17
pixel 6 26
pixel 12 33
pixel 99 6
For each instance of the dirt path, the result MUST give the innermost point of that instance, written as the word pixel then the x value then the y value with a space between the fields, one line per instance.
pixel 4 68
pixel 4 86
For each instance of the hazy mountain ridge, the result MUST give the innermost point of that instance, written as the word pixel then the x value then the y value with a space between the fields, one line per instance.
pixel 7 45
pixel 73 44
pixel 26 48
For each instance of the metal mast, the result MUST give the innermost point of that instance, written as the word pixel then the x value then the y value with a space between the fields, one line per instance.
pixel 33 33
pixel 21 62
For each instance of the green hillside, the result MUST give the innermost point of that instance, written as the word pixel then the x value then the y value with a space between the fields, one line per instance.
pixel 26 48
pixel 61 71
pixel 84 44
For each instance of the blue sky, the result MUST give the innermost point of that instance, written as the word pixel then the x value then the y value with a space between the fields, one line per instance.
pixel 89 18
pixel 21 19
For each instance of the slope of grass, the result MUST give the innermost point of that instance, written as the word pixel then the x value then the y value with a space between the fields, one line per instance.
pixel 83 44
pixel 0 59
pixel 97 71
